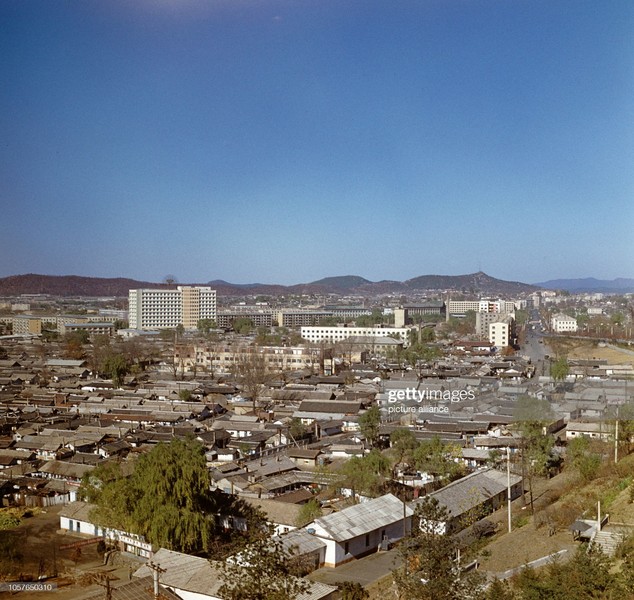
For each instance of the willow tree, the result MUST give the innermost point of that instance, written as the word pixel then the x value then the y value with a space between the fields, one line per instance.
pixel 166 499
pixel 175 510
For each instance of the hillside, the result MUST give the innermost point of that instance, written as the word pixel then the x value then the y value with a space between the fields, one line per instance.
pixel 69 285
pixel 72 285
pixel 620 285
pixel 474 283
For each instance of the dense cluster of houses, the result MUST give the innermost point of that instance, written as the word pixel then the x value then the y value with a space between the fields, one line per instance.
pixel 58 422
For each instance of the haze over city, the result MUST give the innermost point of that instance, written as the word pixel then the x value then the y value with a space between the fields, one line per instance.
pixel 282 141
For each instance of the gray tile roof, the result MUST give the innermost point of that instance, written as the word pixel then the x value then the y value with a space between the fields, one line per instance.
pixel 464 494
pixel 363 518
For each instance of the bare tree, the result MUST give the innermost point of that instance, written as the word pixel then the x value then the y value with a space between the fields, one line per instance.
pixel 252 373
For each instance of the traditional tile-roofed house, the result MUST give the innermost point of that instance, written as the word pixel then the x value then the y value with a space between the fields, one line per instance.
pixel 305 457
pixel 281 515
pixel 194 578
pixel 360 529
pixel 476 494
pixel 45 447
pixel 308 548
pixel 58 469
pixel 141 588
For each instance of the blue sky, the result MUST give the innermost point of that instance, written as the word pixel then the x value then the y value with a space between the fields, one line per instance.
pixel 281 141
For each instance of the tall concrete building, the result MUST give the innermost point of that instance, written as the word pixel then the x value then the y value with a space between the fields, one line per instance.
pixel 167 309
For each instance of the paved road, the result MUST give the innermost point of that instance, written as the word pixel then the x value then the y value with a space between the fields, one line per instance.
pixel 363 570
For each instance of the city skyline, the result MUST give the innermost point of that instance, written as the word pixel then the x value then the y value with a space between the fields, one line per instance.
pixel 283 142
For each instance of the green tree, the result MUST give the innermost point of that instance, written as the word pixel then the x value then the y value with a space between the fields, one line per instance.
pixel 403 444
pixel 581 458
pixel 427 335
pixel 559 369
pixel 116 366
pixel 364 475
pixel 353 590
pixel 185 395
pixel 73 345
pixel 309 512
pixel 531 417
pixel 166 499
pixel 429 569
pixel 206 325
pixel 369 424
pixel 297 429
pixel 265 570
pixel 242 325
pixel 437 458
pixel 588 574
pixel 499 590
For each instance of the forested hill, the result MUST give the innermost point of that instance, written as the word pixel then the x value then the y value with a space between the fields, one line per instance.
pixel 73 285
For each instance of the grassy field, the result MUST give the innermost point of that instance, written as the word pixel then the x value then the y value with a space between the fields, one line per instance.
pixel 559 501
pixel 589 350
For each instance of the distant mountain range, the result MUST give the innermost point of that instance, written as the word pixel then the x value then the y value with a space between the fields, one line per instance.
pixel 590 284
pixel 72 285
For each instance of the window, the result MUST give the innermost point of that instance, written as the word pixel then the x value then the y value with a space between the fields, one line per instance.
pixel 367 539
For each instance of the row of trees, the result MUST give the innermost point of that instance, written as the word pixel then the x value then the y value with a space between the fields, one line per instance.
pixel 114 359
pixel 369 475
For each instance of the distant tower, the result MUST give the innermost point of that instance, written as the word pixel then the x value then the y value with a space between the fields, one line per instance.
pixel 447 308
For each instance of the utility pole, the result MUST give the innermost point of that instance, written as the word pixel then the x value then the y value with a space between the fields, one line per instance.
pixel 508 485
pixel 616 437
pixel 104 581
pixel 156 571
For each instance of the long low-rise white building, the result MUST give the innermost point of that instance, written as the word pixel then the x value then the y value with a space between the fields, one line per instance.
pixel 317 334
pixel 76 518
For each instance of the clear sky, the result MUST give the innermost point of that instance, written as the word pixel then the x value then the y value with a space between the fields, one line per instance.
pixel 281 141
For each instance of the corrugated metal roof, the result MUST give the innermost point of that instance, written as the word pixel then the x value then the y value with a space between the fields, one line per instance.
pixel 362 518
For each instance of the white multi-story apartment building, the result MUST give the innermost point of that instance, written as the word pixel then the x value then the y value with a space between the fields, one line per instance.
pixel 457 307
pixel 334 334
pixel 563 323
pixel 500 333
pixel 484 319
pixel 166 309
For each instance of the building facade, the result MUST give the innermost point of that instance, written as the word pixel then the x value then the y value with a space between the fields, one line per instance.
pixel 318 334
pixel 460 307
pixel 563 323
pixel 223 358
pixel 167 309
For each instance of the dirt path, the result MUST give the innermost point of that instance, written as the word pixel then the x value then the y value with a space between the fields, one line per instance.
pixel 38 542
pixel 525 542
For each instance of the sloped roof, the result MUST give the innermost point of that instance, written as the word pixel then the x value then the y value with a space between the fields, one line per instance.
pixel 140 589
pixel 185 572
pixel 77 510
pixel 362 518
pixel 280 513
pixel 300 542
pixel 194 574
pixel 464 494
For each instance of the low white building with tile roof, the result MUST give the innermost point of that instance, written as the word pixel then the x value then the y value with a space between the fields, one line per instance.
pixel 475 495
pixel 360 529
